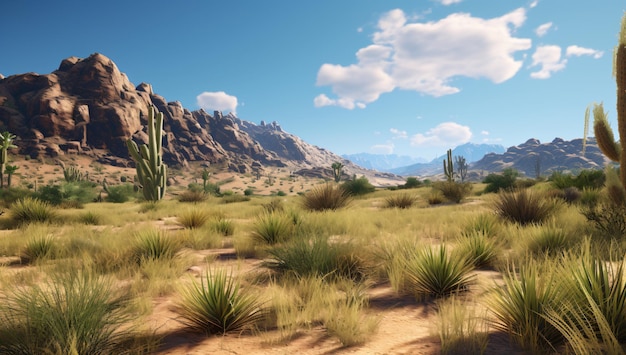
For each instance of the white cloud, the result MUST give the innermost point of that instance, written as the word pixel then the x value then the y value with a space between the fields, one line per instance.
pixel 533 4
pixel 398 134
pixel 448 134
pixel 425 57
pixel 579 51
pixel 543 29
pixel 449 2
pixel 549 59
pixel 382 148
pixel 484 133
pixel 217 101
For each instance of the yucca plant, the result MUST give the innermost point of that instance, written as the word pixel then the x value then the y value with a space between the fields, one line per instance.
pixel 29 210
pixel 193 218
pixel 218 304
pixel 272 228
pixel 486 224
pixel 520 307
pixel 433 273
pixel 326 197
pixel 402 201
pixel 72 313
pixel 524 206
pixel 154 244
pixel 223 226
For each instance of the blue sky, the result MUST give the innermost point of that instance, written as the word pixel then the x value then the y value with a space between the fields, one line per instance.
pixel 405 77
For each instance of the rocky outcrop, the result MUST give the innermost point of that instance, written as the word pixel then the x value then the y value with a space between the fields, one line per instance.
pixel 558 155
pixel 87 106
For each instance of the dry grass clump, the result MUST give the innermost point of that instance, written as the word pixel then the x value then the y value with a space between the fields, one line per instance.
pixel 461 329
pixel 29 210
pixel 193 218
pixel 479 249
pixel 326 197
pixel 525 206
pixel 272 228
pixel 401 201
pixel 153 244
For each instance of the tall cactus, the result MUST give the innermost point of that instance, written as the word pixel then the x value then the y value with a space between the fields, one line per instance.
pixel 6 142
pixel 611 148
pixel 448 167
pixel 151 171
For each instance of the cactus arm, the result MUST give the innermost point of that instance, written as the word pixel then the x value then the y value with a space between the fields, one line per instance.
pixel 604 134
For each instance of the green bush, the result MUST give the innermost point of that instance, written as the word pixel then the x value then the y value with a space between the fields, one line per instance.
pixel 325 197
pixel 234 198
pixel 588 178
pixel 411 183
pixel 29 210
pixel 248 192
pixel 358 187
pixel 218 305
pixel 504 181
pixel 192 196
pixel 9 195
pixel 525 206
pixel 82 191
pixel 223 226
pixel 120 193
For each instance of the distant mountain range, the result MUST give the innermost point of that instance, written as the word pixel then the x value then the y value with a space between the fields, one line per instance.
pixel 382 162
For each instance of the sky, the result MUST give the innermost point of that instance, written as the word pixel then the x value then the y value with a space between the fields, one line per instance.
pixel 353 76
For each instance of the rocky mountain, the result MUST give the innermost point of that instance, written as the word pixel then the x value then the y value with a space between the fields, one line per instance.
pixel 88 106
pixel 470 151
pixel 533 156
pixel 382 162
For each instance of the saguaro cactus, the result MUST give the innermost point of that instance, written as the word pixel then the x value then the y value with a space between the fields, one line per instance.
pixel 337 170
pixel 611 148
pixel 448 167
pixel 151 171
pixel 6 142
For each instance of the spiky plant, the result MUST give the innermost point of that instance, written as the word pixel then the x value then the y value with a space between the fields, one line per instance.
pixel 6 143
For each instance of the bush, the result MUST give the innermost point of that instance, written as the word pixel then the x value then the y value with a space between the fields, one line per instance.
pixel 571 194
pixel 9 195
pixel 453 191
pixel 480 250
pixel 233 198
pixel 154 244
pixel 272 228
pixel 192 196
pixel 608 218
pixel 38 248
pixel 588 178
pixel 248 192
pixel 193 218
pixel 29 210
pixel 525 206
pixel 434 273
pixel 504 181
pixel 411 183
pixel 275 205
pixel 325 197
pixel 218 305
pixel 316 256
pixel 358 187
pixel 120 193
pixel 400 201
pixel 73 313
pixel 435 198
pixel 83 192
pixel 223 226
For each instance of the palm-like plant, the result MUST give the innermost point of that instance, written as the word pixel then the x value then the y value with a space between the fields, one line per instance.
pixel 10 170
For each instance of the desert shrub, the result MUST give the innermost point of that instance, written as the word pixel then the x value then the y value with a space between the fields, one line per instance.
pixel 524 183
pixel 435 197
pixel 486 224
pixel 453 191
pixel 520 307
pixel 588 178
pixel 505 180
pixel 571 194
pixel 549 240
pixel 38 247
pixel 248 192
pixel 218 304
pixel 209 188
pixel 233 198
pixel 479 249
pixel 358 187
pixel 120 193
pixel 608 219
pixel 223 226
pixel 433 273
pixel 153 244
pixel 275 205
pixel 193 218
pixel 316 256
pixel 51 194
pixel 400 201
pixel 90 218
pixel 72 313
pixel 83 192
pixel 524 206
pixel 411 183
pixel 30 210
pixel 192 196
pixel 461 330
pixel 10 195
pixel 272 228
pixel 325 197
pixel 281 193
pixel 590 197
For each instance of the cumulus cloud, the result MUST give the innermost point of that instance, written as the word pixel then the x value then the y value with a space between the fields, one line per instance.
pixel 445 134
pixel 217 101
pixel 543 29
pixel 449 2
pixel 398 134
pixel 382 148
pixel 425 57
pixel 549 59
pixel 580 51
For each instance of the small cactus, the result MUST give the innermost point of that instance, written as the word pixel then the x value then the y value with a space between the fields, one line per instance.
pixel 448 167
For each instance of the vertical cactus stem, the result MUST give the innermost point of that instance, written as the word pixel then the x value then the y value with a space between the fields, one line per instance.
pixel 620 78
pixel 604 134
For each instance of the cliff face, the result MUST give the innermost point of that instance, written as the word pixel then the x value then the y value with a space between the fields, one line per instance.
pixel 89 106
